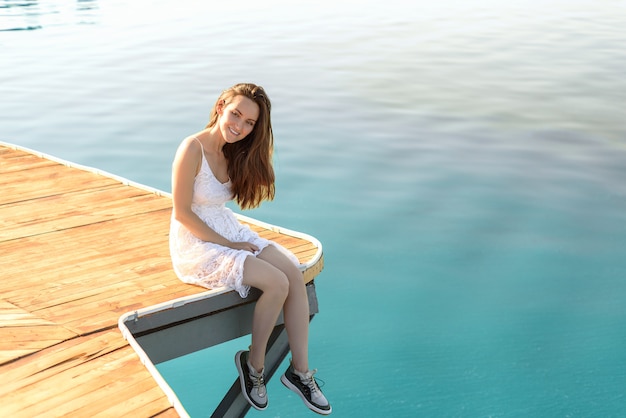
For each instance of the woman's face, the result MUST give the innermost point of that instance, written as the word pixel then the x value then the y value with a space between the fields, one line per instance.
pixel 237 118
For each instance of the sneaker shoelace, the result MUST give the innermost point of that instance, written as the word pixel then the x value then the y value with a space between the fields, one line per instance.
pixel 310 382
pixel 258 382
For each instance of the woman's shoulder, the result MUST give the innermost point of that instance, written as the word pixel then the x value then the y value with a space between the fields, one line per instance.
pixel 189 152
pixel 191 143
pixel 190 147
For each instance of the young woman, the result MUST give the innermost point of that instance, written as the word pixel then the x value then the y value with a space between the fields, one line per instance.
pixel 232 159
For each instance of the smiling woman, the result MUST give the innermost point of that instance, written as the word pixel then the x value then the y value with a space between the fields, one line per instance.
pixel 231 158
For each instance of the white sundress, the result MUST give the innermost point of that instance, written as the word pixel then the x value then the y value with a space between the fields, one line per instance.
pixel 205 263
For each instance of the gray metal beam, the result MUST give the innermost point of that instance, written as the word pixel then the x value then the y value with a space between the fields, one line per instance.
pixel 205 324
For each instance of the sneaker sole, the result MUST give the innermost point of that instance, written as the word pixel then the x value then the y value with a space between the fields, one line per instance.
pixel 242 383
pixel 285 381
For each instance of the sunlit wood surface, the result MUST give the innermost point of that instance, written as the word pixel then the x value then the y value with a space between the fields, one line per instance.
pixel 77 250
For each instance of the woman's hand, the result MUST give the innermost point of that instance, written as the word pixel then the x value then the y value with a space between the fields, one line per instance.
pixel 246 246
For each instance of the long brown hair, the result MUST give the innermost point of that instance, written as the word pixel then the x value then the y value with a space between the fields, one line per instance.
pixel 250 159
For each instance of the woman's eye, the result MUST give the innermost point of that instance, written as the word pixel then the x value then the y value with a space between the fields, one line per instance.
pixel 250 123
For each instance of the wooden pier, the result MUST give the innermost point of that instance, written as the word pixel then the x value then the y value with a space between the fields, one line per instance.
pixel 78 249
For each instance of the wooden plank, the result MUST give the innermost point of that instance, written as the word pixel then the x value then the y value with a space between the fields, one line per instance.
pixel 100 369
pixel 86 378
pixel 50 180
pixel 146 403
pixel 112 392
pixel 168 413
pixel 32 338
pixel 23 333
pixel 10 355
pixel 98 319
pixel 119 237
pixel 34 371
pixel 116 378
pixel 58 212
pixel 13 160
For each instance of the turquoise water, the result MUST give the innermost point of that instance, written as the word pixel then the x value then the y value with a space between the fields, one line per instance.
pixel 463 164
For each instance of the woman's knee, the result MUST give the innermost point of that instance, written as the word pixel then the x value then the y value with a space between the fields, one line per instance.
pixel 265 277
pixel 279 285
pixel 273 256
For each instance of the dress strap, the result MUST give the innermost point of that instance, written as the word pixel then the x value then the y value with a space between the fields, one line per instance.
pixel 198 141
pixel 201 148
pixel 203 159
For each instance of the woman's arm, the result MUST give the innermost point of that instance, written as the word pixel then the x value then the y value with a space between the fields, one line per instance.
pixel 184 170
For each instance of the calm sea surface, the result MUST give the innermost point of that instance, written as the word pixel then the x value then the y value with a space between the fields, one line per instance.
pixel 463 164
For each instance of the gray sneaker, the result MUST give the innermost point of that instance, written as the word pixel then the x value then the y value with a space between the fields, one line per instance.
pixel 252 382
pixel 306 387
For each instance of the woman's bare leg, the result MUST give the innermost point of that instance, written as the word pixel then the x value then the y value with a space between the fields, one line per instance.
pixel 295 309
pixel 275 287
